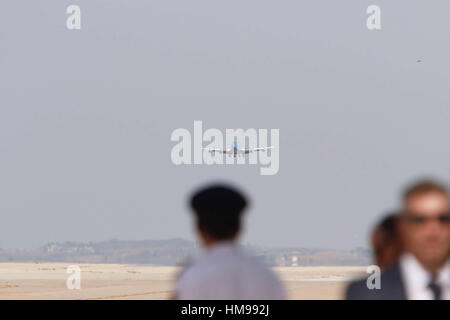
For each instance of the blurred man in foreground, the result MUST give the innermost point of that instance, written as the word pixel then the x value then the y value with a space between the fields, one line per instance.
pixel 423 270
pixel 224 271
pixel 385 241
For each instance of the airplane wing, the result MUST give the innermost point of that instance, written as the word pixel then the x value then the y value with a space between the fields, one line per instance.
pixel 212 150
pixel 246 151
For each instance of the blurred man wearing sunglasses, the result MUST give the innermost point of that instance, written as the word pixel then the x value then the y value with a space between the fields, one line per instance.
pixel 423 270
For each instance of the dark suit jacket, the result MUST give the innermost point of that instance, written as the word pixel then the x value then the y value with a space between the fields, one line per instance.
pixel 392 287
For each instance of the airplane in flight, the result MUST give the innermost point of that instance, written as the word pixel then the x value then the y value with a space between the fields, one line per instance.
pixel 235 151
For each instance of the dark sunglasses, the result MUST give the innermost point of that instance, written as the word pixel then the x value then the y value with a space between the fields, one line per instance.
pixel 421 219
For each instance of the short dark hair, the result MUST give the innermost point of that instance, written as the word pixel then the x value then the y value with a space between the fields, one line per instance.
pixel 218 209
pixel 424 186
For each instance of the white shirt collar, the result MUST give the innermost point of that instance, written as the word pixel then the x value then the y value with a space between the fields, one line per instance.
pixel 416 278
pixel 444 275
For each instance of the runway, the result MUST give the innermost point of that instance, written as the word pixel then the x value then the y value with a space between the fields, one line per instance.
pixel 116 281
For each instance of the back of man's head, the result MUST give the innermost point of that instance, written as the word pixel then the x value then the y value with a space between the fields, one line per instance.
pixel 385 241
pixel 218 210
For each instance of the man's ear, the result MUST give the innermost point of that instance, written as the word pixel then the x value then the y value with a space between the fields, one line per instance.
pixel 204 238
pixel 199 230
pixel 240 230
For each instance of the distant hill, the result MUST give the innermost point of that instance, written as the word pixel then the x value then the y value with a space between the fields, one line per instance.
pixel 174 252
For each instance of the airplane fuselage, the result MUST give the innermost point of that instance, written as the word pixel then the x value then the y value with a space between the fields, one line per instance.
pixel 235 152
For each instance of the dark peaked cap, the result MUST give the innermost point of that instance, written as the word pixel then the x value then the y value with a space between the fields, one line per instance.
pixel 218 200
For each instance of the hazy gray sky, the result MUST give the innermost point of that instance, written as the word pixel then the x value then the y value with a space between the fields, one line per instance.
pixel 86 116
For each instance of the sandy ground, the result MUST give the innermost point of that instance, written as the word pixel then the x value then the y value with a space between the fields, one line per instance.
pixel 113 281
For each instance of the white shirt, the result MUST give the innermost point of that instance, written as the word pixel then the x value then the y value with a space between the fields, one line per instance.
pixel 416 279
pixel 225 272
